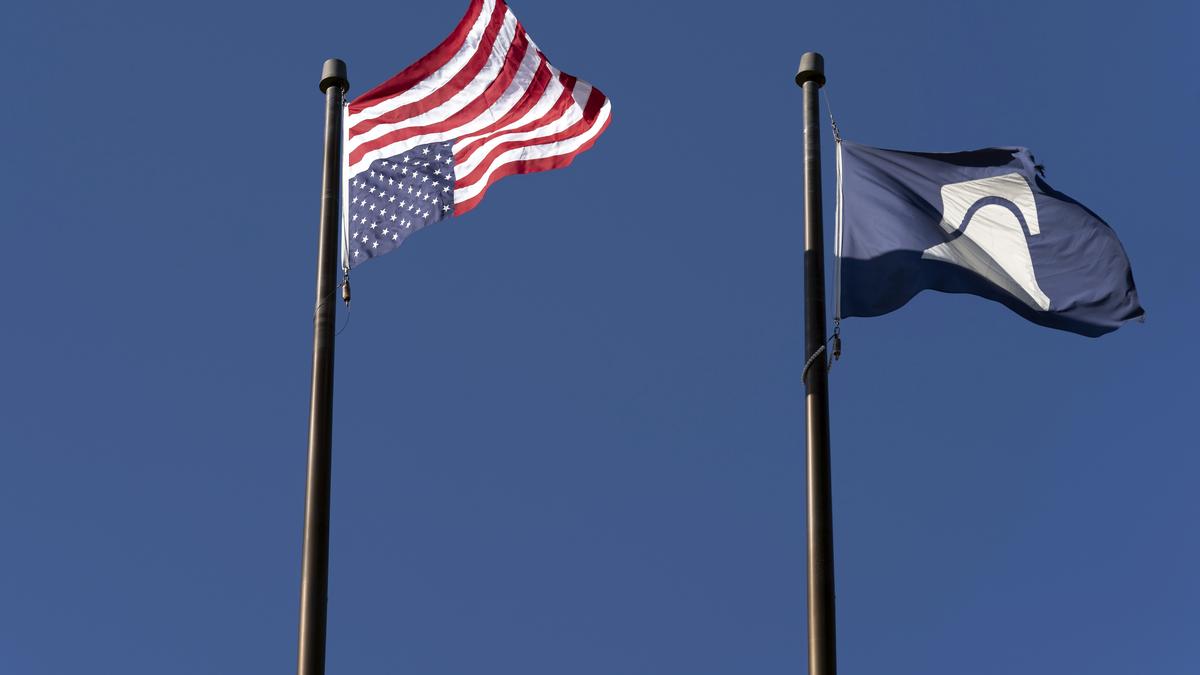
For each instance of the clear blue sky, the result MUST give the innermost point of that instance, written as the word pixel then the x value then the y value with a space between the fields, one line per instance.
pixel 569 425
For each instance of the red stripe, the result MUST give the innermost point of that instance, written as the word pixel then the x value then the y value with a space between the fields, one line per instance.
pixel 562 104
pixel 537 88
pixel 529 166
pixel 477 106
pixel 444 93
pixel 590 110
pixel 426 65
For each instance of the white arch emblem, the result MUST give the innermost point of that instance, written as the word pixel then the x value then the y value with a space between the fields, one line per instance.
pixel 995 246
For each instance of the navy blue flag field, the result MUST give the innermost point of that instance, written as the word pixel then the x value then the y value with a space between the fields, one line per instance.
pixel 983 222
pixel 429 142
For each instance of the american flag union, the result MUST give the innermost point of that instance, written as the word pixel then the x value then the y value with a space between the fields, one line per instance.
pixel 429 142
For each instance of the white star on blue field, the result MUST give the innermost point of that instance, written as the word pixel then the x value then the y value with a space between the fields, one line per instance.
pixel 398 196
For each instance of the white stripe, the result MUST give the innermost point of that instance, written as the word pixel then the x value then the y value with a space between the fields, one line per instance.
pixel 502 106
pixel 529 152
pixel 516 91
pixel 483 80
pixel 345 178
pixel 550 96
pixel 397 148
pixel 837 241
pixel 440 76
pixel 463 166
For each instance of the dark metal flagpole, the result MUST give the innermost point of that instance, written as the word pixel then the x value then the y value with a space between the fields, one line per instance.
pixel 822 638
pixel 314 570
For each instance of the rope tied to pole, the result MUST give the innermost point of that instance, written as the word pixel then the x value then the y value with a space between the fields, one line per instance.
pixel 836 339
pixel 345 286
pixel 808 364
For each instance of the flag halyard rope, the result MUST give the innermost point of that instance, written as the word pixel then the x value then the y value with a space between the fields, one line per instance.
pixel 836 337
pixel 837 237
pixel 345 212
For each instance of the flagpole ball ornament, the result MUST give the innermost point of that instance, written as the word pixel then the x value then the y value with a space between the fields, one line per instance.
pixel 812 67
pixel 334 74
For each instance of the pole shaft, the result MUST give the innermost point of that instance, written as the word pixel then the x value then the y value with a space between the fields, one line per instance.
pixel 822 638
pixel 314 571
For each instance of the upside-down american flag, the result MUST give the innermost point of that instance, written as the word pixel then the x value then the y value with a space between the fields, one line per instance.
pixel 427 143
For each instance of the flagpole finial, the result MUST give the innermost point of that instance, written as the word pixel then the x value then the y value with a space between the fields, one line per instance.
pixel 812 67
pixel 334 74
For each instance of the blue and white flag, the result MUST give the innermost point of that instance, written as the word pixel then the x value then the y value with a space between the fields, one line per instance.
pixel 983 222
